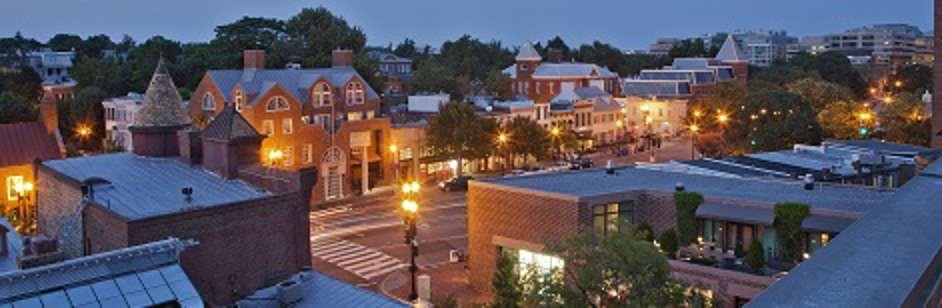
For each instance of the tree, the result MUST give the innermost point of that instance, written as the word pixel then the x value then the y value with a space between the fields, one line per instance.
pixel 527 138
pixel 755 256
pixel 433 76
pixel 65 42
pixel 604 55
pixel 689 48
pixel 557 43
pixel 841 120
pixel 314 33
pixel 788 218
pixel 15 109
pixel 406 49
pixel 906 120
pixel 686 203
pixel 915 78
pixel 499 85
pixel 94 45
pixel 84 111
pixel 27 84
pixel 143 61
pixel 109 75
pixel 506 284
pixel 458 133
pixel 669 242
pixel 833 67
pixel 819 93
pixel 233 38
pixel 771 120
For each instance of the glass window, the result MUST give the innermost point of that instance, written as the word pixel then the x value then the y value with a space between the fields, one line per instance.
pixel 238 100
pixel 277 103
pixel 286 126
pixel 322 94
pixel 354 116
pixel 209 103
pixel 542 263
pixel 307 153
pixel 268 127
pixel 607 217
pixel 13 182
pixel 289 155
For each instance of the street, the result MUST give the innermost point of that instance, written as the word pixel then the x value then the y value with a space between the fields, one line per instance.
pixel 674 149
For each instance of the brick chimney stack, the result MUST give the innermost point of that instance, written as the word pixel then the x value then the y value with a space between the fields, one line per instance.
pixel 342 58
pixel 48 114
pixel 253 59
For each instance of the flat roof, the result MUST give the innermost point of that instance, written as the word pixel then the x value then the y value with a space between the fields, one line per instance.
pixel 140 187
pixel 889 258
pixel 322 291
pixel 595 182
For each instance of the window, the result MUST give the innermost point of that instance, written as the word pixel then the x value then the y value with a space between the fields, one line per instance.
pixel 286 127
pixel 12 183
pixel 307 153
pixel 607 217
pixel 354 93
pixel 289 155
pixel 268 127
pixel 277 103
pixel 370 114
pixel 354 116
pixel 209 103
pixel 321 95
pixel 238 100
pixel 305 119
pixel 543 264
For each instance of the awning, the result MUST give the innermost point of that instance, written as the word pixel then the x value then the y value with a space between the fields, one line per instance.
pixel 735 213
pixel 372 156
pixel 828 224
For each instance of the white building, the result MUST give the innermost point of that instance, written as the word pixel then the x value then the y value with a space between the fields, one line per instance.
pixel 52 66
pixel 429 103
pixel 119 115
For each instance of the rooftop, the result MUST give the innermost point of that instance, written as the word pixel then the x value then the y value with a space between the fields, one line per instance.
pixel 730 51
pixel 22 143
pixel 888 258
pixel 140 187
pixel 322 291
pixel 137 276
pixel 256 82
pixel 595 182
pixel 14 247
pixel 560 70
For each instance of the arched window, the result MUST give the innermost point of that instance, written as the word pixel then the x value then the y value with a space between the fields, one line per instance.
pixel 354 93
pixel 208 102
pixel 321 95
pixel 238 100
pixel 277 103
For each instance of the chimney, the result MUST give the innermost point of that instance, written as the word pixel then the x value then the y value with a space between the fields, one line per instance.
pixel 253 59
pixel 554 55
pixel 342 58
pixel 187 194
pixel 191 146
pixel 48 114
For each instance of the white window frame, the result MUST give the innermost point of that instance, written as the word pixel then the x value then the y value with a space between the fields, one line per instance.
pixel 239 100
pixel 287 126
pixel 321 94
pixel 209 102
pixel 277 104
pixel 268 127
pixel 289 155
pixel 307 153
pixel 13 181
pixel 354 116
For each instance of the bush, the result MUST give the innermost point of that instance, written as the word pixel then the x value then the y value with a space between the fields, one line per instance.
pixel 755 257
pixel 668 241
pixel 788 217
pixel 645 232
pixel 687 203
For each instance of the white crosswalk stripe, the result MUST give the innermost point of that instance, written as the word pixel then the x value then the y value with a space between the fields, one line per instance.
pixel 365 262
pixel 330 211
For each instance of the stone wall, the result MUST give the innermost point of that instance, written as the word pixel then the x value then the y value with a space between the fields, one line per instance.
pixel 58 199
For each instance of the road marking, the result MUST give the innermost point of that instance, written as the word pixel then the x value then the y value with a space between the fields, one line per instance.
pixel 330 211
pixel 353 263
pixel 385 270
pixel 362 261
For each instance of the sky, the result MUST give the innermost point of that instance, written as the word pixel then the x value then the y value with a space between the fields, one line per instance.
pixel 628 24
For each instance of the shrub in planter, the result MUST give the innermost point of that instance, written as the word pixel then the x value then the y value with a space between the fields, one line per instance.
pixel 687 203
pixel 645 232
pixel 668 241
pixel 788 217
pixel 755 256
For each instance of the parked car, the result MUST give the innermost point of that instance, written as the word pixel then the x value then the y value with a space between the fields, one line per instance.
pixel 455 183
pixel 580 163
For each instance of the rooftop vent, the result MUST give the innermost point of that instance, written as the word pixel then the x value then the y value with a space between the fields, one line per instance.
pixel 290 292
pixel 187 193
pixel 679 186
pixel 610 167
pixel 809 182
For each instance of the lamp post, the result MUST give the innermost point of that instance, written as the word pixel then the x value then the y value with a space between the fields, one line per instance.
pixel 395 153
pixel 501 146
pixel 410 210
pixel 274 156
pixel 23 195
pixel 693 140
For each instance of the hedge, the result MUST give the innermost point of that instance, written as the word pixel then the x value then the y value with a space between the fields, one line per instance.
pixel 788 217
pixel 687 203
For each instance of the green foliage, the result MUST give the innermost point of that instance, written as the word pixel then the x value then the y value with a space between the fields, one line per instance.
pixel 819 93
pixel 755 256
pixel 16 109
pixel 914 79
pixel 840 120
pixel 788 119
pixel 143 61
pixel 314 33
pixel 26 84
pixel 109 75
pixel 788 218
pixel 833 67
pixel 906 120
pixel 433 76
pixel 499 85
pixel 94 45
pixel 645 232
pixel 687 203
pixel 458 132
pixel 506 283
pixel 669 243
pixel 406 49
pixel 448 301
pixel 84 110
pixel 689 48
pixel 64 42
pixel 527 138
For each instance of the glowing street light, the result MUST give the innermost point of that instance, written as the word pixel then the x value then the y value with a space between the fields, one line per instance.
pixel 410 206
pixel 410 209
pixel 694 128
pixel 554 131
pixel 502 138
pixel 83 130
pixel 275 155
pixel 697 113
pixel 393 148
pixel 722 118
pixel 865 116
pixel 619 123
pixel 898 83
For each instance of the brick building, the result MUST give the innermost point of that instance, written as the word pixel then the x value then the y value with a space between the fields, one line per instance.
pixel 937 82
pixel 240 212
pixel 691 76
pixel 527 214
pixel 326 118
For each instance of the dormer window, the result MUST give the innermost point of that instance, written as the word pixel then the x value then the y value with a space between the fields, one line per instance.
pixel 209 103
pixel 239 100
pixel 321 95
pixel 276 104
pixel 355 93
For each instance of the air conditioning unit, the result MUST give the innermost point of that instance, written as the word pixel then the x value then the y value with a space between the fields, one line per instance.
pixel 290 292
pixel 455 256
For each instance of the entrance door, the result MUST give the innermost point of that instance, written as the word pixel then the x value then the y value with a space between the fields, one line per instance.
pixel 334 184
pixel 334 163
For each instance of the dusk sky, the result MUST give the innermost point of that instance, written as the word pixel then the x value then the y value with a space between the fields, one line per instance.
pixel 624 23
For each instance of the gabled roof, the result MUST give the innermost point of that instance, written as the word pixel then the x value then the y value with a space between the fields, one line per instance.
pixel 528 53
pixel 162 103
pixel 730 51
pixel 22 143
pixel 254 83
pixel 229 125
pixel 561 70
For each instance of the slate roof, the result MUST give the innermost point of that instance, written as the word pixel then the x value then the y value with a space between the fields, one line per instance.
pixel 528 53
pixel 142 187
pixel 595 182
pixel 322 291
pixel 888 258
pixel 730 51
pixel 22 143
pixel 296 82
pixel 162 103
pixel 880 146
pixel 559 70
pixel 136 276
pixel 229 125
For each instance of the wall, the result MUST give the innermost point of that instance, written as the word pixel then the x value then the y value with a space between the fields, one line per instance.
pixel 937 80
pixel 58 199
pixel 726 284
pixel 26 171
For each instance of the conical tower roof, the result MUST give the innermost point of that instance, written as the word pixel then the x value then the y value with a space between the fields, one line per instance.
pixel 730 51
pixel 528 53
pixel 162 103
pixel 229 125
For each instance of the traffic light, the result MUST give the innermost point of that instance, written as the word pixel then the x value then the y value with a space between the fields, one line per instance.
pixel 753 142
pixel 864 131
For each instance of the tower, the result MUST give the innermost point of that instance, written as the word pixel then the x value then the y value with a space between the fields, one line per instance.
pixel 155 127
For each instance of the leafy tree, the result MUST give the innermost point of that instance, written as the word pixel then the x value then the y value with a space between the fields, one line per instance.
pixel 689 48
pixel 788 218
pixel 85 110
pixel 772 120
pixel 819 93
pixel 109 75
pixel 249 33
pixel 473 58
pixel 27 84
pixel 780 73
pixel 459 133
pixel 634 63
pixel 915 78
pixel 646 232
pixel 527 138
pixel 840 119
pixel 906 120
pixel 65 42
pixel 833 67
pixel 558 44
pixel 722 100
pixel 433 76
pixel 687 203
pixel 669 243
pixel 314 33
pixel 94 45
pixel 15 109
pixel 604 55
pixel 755 256
pixel 127 43
pixel 499 85
pixel 143 61
pixel 10 46
pixel 406 49
pixel 506 284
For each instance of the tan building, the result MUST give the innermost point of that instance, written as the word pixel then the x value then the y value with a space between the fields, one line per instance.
pixel 663 116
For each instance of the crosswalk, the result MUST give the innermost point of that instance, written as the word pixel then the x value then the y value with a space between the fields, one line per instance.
pixel 360 260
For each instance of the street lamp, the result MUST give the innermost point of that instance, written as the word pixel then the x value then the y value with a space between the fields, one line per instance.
pixel 693 140
pixel 274 156
pixel 395 152
pixel 410 210
pixel 83 131
pixel 23 193
pixel 501 142
pixel 722 118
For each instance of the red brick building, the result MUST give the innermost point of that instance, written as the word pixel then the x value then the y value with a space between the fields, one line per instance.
pixel 541 81
pixel 100 203
pixel 326 118
pixel 527 214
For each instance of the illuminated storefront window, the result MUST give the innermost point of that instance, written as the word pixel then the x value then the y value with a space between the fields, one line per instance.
pixel 543 264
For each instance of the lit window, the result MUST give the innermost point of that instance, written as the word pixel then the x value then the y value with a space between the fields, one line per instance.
pixel 321 94
pixel 277 103
pixel 238 100
pixel 607 217
pixel 307 153
pixel 543 264
pixel 286 127
pixel 354 116
pixel 209 103
pixel 12 183
pixel 268 127
pixel 305 120
pixel 289 156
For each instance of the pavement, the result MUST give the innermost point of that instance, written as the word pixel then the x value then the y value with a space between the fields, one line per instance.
pixel 676 149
